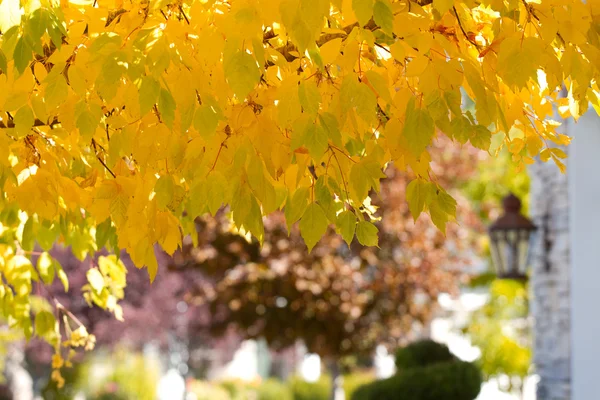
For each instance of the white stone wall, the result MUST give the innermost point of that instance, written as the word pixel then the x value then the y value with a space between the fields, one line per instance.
pixel 550 281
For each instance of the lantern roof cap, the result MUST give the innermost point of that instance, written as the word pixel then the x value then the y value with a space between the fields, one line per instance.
pixel 512 217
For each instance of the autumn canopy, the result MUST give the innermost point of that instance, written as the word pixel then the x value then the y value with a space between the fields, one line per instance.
pixel 121 122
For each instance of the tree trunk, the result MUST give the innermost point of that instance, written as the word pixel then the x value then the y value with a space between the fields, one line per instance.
pixel 337 389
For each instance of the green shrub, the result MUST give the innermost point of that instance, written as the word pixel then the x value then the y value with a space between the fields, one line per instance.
pixel 208 391
pixel 427 378
pixel 238 389
pixel 302 390
pixel 109 396
pixel 273 389
pixel 457 380
pixel 421 354
pixel 354 381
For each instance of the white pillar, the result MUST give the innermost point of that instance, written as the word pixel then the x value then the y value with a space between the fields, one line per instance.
pixel 584 188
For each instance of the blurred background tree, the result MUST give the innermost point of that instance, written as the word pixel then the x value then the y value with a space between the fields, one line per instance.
pixel 338 300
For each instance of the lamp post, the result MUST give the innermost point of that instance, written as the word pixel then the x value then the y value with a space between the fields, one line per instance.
pixel 509 240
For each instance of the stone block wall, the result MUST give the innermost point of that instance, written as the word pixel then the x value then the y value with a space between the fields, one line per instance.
pixel 550 281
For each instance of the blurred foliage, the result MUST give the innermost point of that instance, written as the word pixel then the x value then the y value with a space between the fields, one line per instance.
pixel 355 380
pixel 422 353
pixel 426 376
pixel 238 389
pixel 502 332
pixel 132 376
pixel 273 389
pixel 208 391
pixel 495 178
pixel 119 375
pixel 303 390
pixel 73 377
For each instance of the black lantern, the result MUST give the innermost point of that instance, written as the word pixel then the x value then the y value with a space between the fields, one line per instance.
pixel 509 237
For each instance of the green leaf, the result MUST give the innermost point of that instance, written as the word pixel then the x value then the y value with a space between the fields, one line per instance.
pixel 104 232
pixel 442 5
pixel 254 220
pixel 166 107
pixel 360 181
pixel 482 138
pixel 346 224
pixel 95 279
pixel 62 276
pixel 164 189
pixel 330 123
pixel 206 120
pixel 242 73
pixel 28 240
pixel 304 20
pixel 87 123
pixel 296 205
pixel 36 25
pixel 24 120
pixel 418 128
pixel 309 96
pixel 365 175
pixel 46 267
pixel 46 236
pixel 197 199
pixel 418 194
pixel 442 209
pixel 366 233
pixel 363 9
pixel 315 139
pixel 313 225
pixel 149 90
pixel 325 199
pixel 380 85
pixel 216 190
pixel 45 324
pixel 3 63
pixel 383 16
pixel 22 55
pixel 56 92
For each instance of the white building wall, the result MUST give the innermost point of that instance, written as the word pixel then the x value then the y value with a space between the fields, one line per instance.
pixel 584 188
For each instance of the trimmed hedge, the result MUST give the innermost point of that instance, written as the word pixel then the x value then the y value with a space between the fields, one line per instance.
pixel 272 389
pixel 421 354
pixel 302 390
pixel 449 379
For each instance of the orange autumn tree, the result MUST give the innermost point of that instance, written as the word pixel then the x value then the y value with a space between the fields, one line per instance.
pixel 123 121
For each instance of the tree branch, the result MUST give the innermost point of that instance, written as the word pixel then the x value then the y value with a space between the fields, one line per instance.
pixel 11 124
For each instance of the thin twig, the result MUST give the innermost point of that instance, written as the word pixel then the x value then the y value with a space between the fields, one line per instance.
pixel 183 13
pixel 343 152
pixel 463 29
pixel 341 175
pixel 101 160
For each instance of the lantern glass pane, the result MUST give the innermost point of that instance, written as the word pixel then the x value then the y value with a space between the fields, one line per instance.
pixel 498 252
pixel 523 251
pixel 511 252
